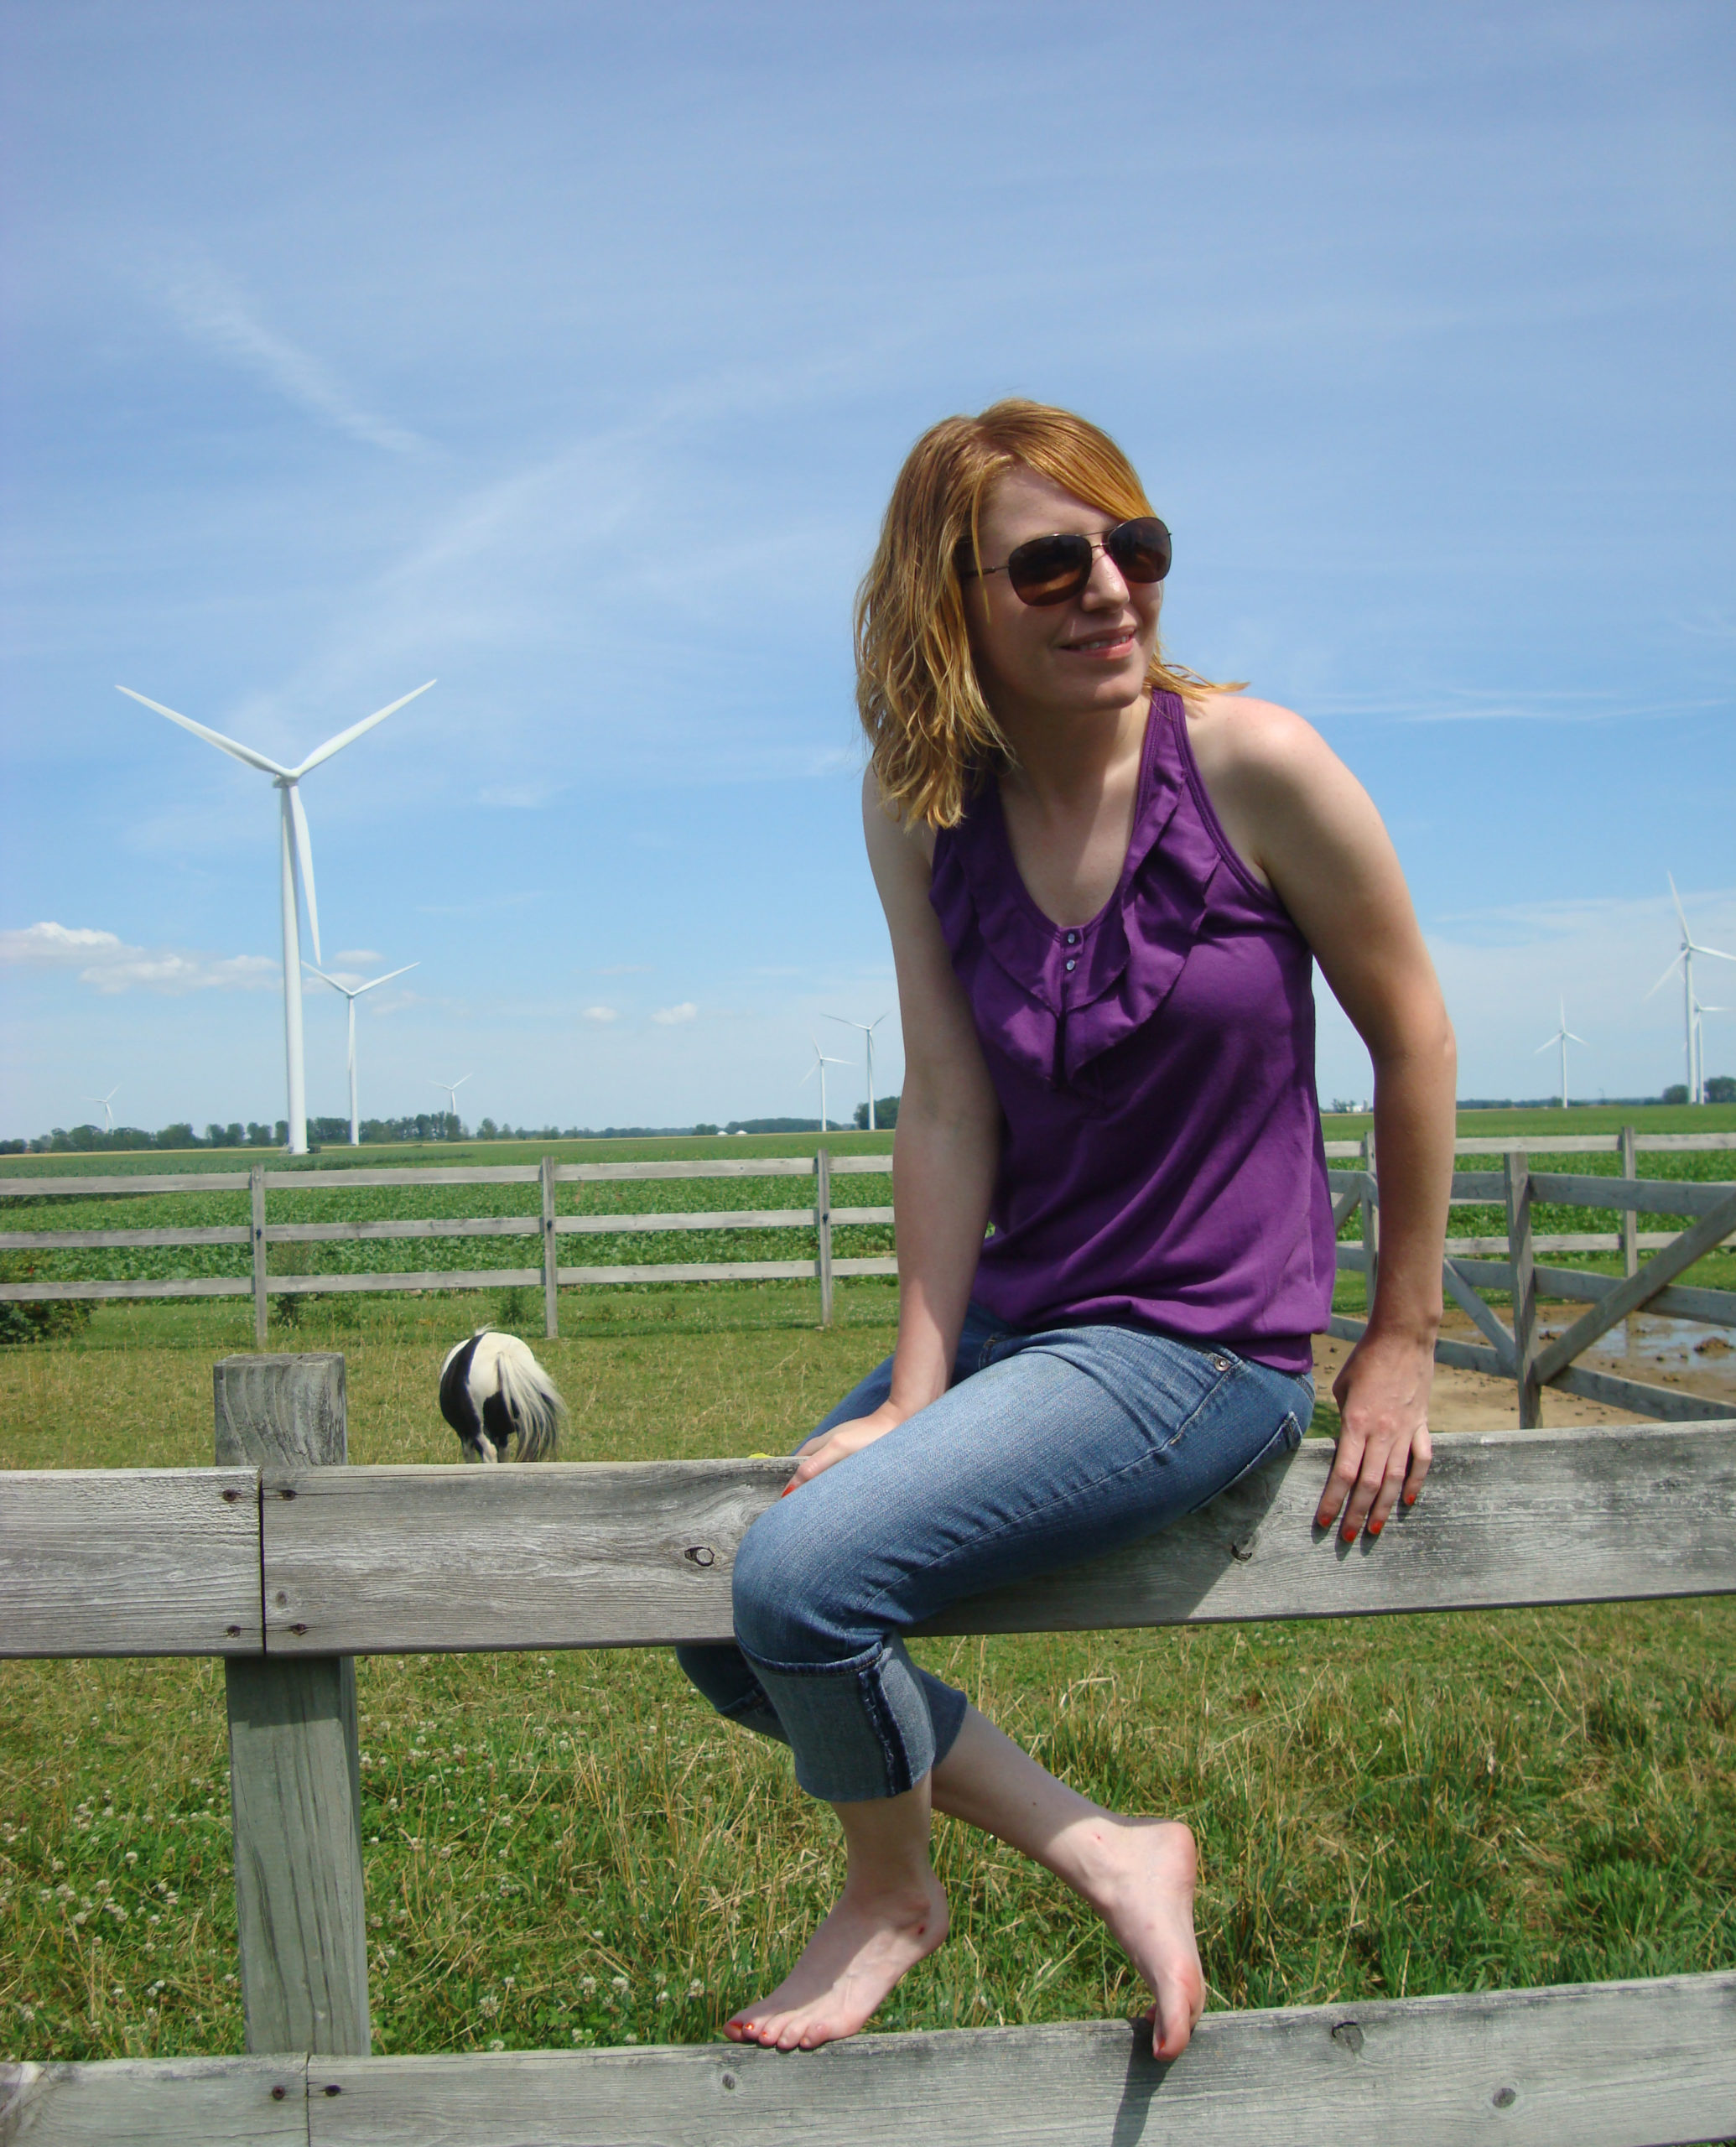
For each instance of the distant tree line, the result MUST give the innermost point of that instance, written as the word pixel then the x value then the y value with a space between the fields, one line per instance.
pixel 445 1125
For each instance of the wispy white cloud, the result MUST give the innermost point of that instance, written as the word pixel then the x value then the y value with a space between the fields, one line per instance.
pixel 211 310
pixel 670 1015
pixel 601 1014
pixel 363 957
pixel 105 961
pixel 519 797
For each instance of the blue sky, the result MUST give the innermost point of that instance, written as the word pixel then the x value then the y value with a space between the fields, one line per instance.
pixel 567 353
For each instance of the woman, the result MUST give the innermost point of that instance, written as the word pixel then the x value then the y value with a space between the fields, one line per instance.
pixel 1106 881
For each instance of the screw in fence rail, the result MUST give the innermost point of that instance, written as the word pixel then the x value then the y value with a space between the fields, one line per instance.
pixel 1522 1272
pixel 1369 1210
pixel 294 1761
pixel 255 1193
pixel 551 1252
pixel 823 1224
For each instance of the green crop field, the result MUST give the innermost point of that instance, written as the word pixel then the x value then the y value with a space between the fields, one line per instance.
pixel 569 1849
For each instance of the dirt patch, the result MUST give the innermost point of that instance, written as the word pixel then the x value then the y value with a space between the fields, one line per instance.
pixel 1673 1353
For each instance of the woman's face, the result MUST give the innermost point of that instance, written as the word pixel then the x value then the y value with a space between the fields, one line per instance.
pixel 1088 655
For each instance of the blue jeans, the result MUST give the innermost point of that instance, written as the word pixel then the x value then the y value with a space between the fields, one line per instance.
pixel 1046 1449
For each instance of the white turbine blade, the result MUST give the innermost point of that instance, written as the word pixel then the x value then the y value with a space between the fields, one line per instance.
pixel 1572 1039
pixel 1670 972
pixel 387 978
pixel 211 738
pixel 331 981
pixel 346 737
pixel 1542 1047
pixel 305 860
pixel 1718 953
pixel 1680 914
pixel 462 1078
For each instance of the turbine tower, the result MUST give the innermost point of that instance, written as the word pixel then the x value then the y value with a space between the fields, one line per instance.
pixel 820 1063
pixel 1563 1037
pixel 1684 960
pixel 296 861
pixel 452 1088
pixel 352 995
pixel 108 1117
pixel 867 1029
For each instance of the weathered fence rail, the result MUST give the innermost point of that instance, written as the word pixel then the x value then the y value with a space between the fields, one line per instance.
pixel 332 1562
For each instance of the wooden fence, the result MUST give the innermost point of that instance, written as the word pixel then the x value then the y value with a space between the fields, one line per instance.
pixel 1519 1352
pixel 1507 1263
pixel 287 1563
pixel 547 1226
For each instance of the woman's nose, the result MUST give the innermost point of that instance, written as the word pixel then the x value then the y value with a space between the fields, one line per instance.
pixel 1106 585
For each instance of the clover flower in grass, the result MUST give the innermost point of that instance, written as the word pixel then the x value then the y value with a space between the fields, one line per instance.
pixel 621 1984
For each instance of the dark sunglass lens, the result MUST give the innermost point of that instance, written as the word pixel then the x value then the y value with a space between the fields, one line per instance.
pixel 1141 548
pixel 1049 569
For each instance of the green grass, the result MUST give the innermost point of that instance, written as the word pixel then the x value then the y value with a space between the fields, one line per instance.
pixel 570 1849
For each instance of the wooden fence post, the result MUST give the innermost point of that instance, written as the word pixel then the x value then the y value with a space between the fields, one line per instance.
pixel 1629 1225
pixel 1521 1267
pixel 1371 1213
pixel 823 1224
pixel 551 1253
pixel 294 1763
pixel 256 1191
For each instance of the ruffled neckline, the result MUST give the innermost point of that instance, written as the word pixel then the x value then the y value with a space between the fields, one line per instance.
pixel 1014 959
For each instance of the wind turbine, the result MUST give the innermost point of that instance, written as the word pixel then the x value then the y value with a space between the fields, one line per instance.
pixel 108 1117
pixel 1563 1037
pixel 1685 961
pixel 1700 1009
pixel 820 1063
pixel 297 861
pixel 867 1029
pixel 352 996
pixel 452 1088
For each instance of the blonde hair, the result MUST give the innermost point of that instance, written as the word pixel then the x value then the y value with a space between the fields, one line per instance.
pixel 932 737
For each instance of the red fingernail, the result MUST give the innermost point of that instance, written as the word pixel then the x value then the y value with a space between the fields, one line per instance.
pixel 1410 1498
pixel 1375 1526
pixel 786 1491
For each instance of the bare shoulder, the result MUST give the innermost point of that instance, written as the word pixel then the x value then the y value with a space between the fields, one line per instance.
pixel 898 846
pixel 1238 740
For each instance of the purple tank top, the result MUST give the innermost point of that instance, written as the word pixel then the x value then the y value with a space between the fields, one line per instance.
pixel 1161 1155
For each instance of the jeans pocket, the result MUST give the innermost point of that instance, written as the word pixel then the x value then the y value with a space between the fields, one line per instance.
pixel 1286 1439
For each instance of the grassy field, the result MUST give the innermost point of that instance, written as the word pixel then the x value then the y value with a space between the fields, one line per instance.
pixel 570 1849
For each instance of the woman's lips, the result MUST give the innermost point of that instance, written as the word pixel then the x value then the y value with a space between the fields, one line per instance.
pixel 1100 645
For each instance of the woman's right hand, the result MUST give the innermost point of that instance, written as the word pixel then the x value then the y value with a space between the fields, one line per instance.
pixel 842 1441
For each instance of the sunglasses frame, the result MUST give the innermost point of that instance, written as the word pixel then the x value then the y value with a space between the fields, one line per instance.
pixel 1073 586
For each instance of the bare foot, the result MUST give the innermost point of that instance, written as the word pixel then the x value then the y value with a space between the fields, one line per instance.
pixel 864 1948
pixel 1142 1887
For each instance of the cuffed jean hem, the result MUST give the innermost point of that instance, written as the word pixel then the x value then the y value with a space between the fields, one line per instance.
pixel 864 1728
pixel 727 1676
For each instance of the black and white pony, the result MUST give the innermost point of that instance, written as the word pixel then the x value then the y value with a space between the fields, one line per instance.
pixel 496 1395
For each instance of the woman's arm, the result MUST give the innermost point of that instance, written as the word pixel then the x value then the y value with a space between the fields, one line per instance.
pixel 1299 814
pixel 946 1147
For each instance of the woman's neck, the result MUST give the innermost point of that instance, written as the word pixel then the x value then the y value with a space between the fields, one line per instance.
pixel 1065 762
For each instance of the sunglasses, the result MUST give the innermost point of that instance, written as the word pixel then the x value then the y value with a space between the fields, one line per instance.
pixel 1052 569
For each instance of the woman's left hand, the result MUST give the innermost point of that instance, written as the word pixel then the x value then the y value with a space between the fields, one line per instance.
pixel 842 1441
pixel 1383 1447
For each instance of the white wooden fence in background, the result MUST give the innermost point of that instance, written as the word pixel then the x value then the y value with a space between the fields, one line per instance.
pixel 1507 1263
